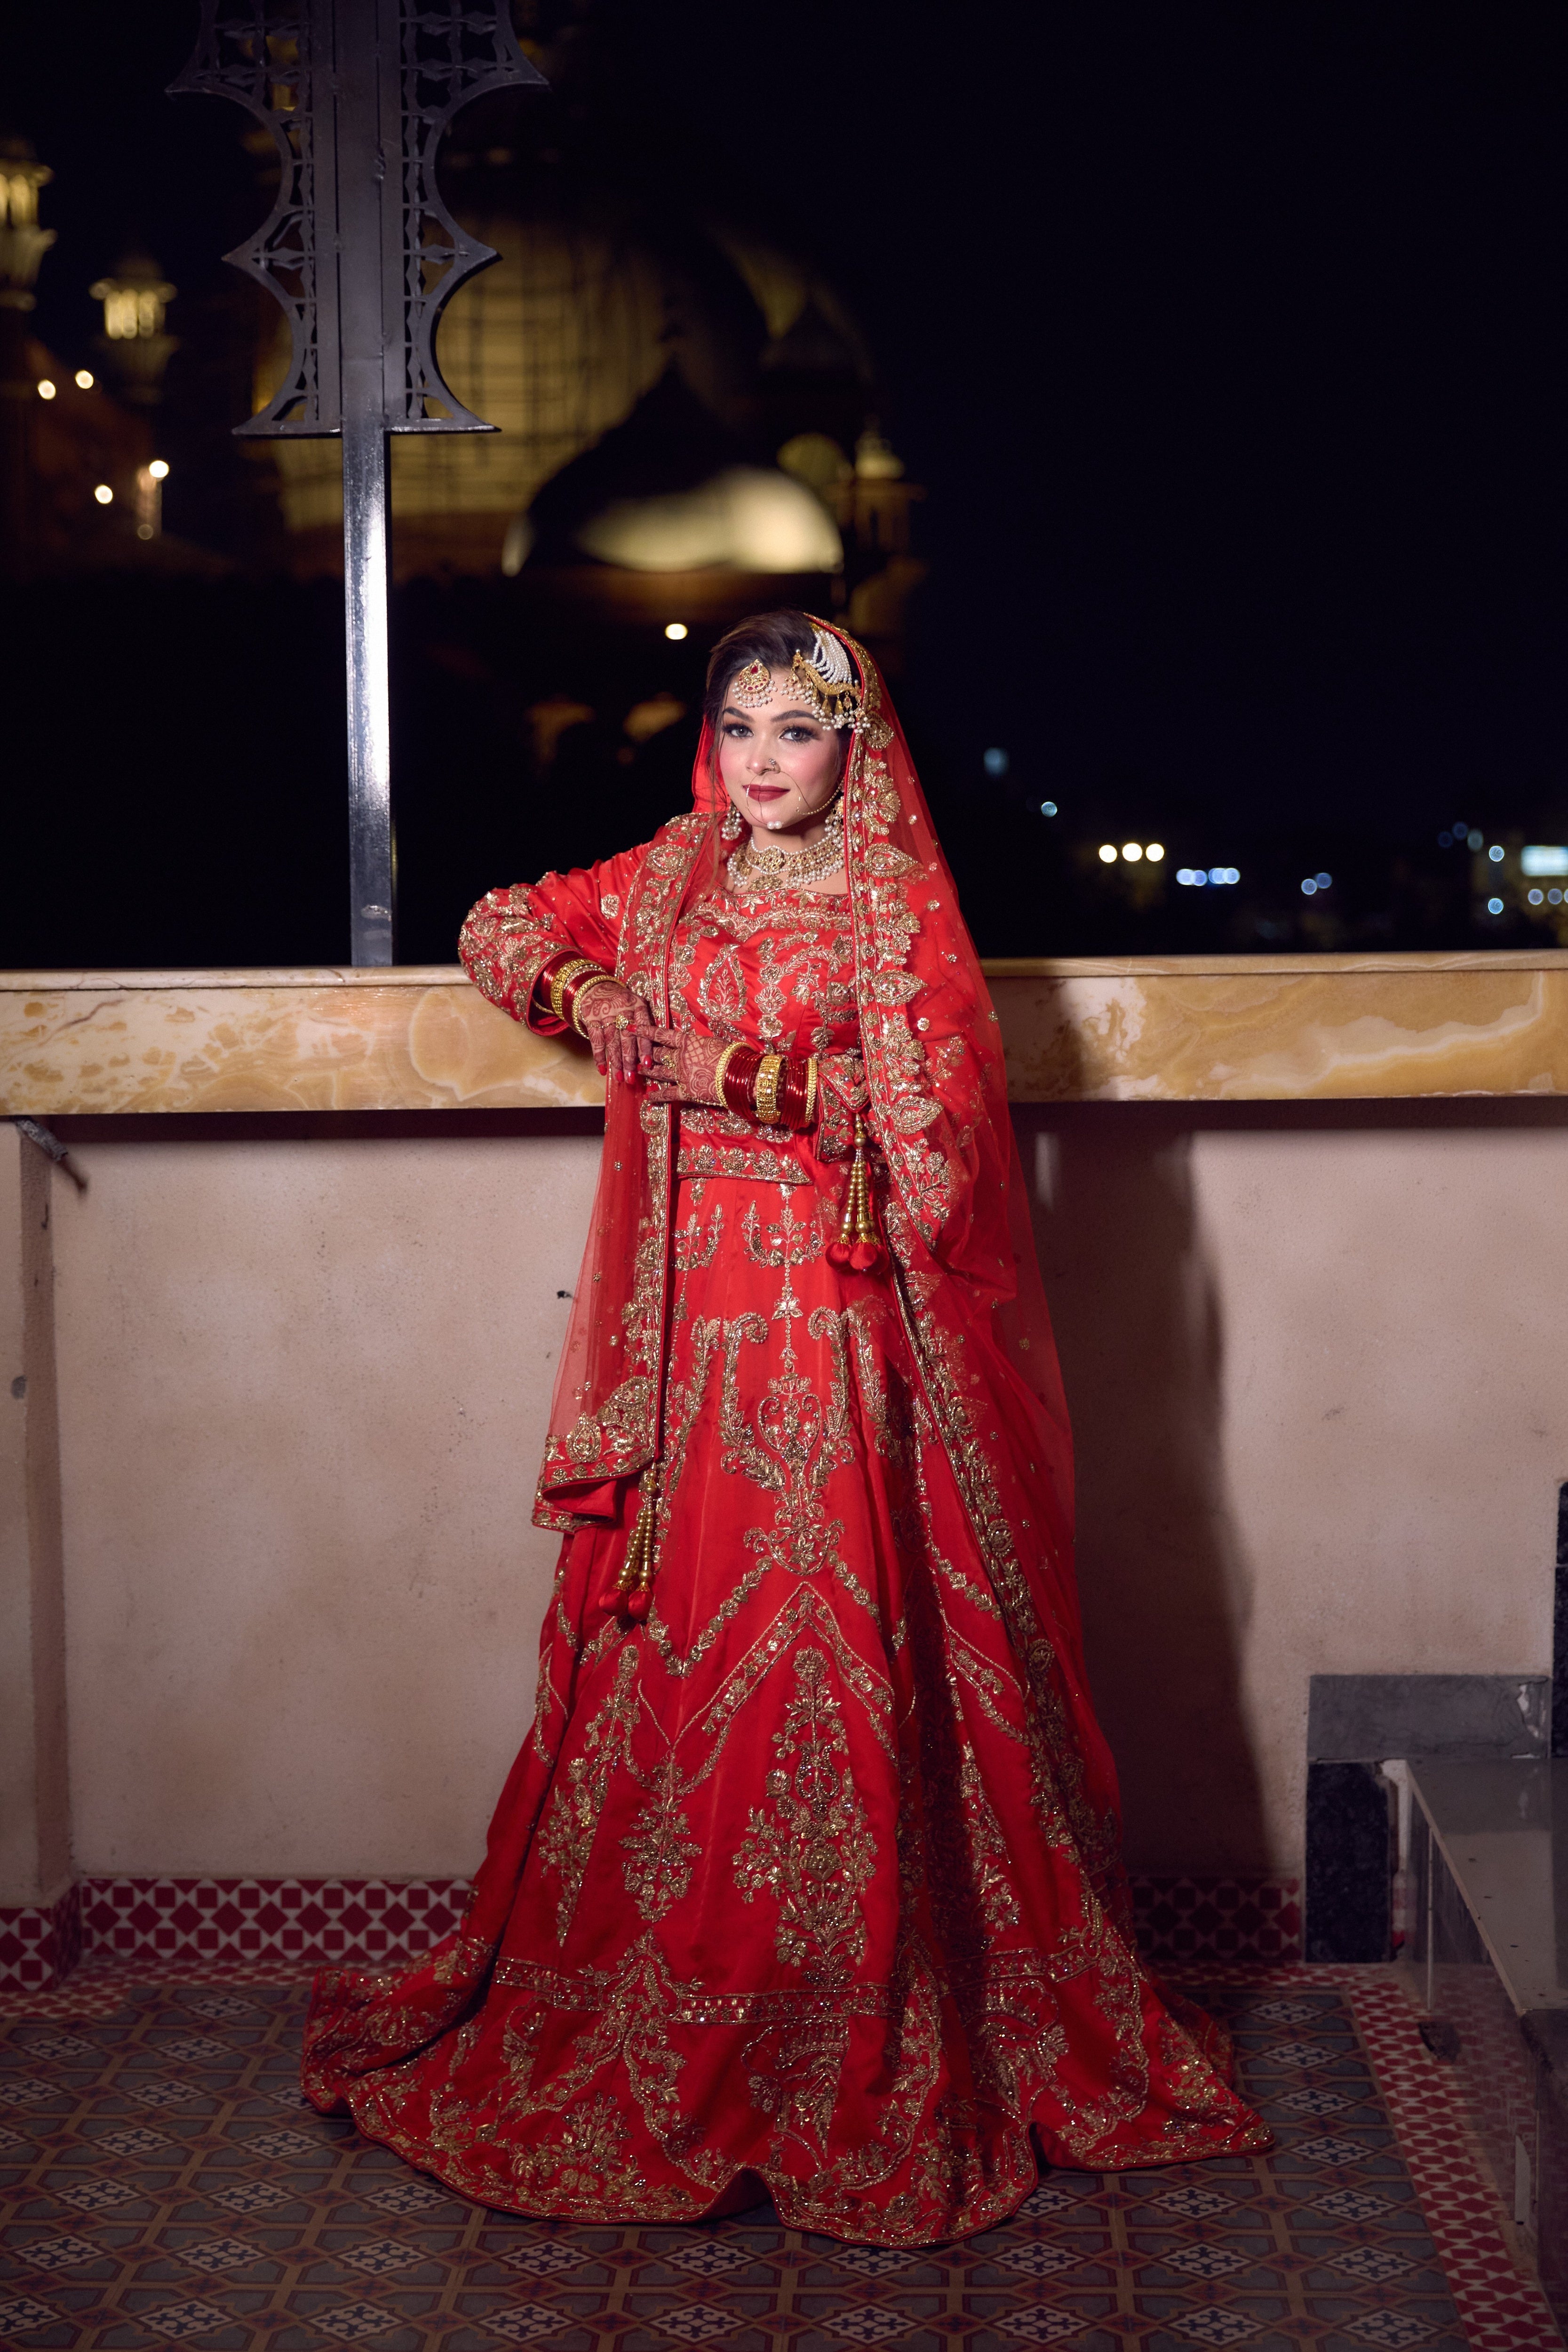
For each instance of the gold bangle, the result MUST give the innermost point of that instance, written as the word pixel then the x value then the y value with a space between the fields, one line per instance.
pixel 765 1089
pixel 719 1066
pixel 561 980
pixel 810 1111
pixel 605 979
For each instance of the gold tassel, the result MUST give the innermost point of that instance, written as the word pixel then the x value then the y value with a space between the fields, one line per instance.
pixel 633 1587
pixel 859 1244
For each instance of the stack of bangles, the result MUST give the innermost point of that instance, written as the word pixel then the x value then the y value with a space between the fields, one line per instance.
pixel 563 984
pixel 775 1089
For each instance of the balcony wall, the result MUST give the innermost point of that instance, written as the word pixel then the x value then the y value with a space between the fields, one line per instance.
pixel 1301 1224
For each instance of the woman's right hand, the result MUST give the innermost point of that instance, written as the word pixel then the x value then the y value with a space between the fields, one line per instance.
pixel 619 1027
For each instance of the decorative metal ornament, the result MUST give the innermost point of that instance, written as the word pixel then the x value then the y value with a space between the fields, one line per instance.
pixel 359 248
pixel 361 254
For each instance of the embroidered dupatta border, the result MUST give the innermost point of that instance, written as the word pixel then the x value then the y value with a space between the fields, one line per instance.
pixel 618 1435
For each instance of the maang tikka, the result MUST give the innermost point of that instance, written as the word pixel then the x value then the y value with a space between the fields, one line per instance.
pixel 752 686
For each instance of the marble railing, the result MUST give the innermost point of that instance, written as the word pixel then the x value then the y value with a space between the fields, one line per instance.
pixel 1078 1029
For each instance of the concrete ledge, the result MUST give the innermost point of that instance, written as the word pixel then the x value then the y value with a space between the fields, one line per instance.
pixel 1087 1029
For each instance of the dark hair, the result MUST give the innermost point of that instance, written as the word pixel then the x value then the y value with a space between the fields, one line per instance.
pixel 772 638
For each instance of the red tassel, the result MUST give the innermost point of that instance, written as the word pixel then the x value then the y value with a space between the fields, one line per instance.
pixel 858 1248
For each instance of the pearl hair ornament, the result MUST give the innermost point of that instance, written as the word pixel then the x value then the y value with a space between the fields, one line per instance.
pixel 825 679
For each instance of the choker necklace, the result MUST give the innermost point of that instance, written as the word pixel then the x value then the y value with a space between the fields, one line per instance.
pixel 767 872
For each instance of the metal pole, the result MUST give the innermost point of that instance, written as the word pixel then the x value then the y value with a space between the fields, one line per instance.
pixel 361 254
pixel 372 857
pixel 363 140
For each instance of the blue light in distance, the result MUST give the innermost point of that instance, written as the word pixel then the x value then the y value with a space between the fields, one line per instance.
pixel 1047 808
pixel 996 762
pixel 1494 906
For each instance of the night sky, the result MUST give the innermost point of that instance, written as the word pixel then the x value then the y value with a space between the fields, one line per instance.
pixel 1227 340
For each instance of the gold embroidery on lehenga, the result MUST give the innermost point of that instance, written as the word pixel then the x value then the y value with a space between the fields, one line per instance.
pixel 796 1444
pixel 815 1853
pixel 661 1850
pixel 631 2010
pixel 567 1839
pixel 992 1881
pixel 807 1607
pixel 683 1404
pixel 1059 1774
pixel 886 1409
pixel 760 1164
pixel 815 1850
pixel 694 1245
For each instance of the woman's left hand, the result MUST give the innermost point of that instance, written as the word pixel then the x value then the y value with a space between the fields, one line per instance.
pixel 682 1065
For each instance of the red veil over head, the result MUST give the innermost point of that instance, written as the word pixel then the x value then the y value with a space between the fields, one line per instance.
pixel 956 1209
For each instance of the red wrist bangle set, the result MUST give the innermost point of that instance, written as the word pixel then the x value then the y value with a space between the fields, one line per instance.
pixel 775 1089
pixel 562 982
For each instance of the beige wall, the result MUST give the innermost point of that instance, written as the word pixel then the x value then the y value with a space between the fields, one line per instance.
pixel 305 1386
pixel 1316 1370
pixel 1314 1359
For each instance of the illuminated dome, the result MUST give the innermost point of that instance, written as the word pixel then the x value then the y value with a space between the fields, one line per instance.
pixel 747 517
pixel 670 490
pixel 585 314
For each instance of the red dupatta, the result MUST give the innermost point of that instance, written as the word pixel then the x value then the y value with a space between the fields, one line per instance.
pixel 956 1210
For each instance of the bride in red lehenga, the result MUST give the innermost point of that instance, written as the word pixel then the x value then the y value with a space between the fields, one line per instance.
pixel 807 1874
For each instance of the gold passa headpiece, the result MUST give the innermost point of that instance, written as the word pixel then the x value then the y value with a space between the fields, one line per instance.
pixel 826 681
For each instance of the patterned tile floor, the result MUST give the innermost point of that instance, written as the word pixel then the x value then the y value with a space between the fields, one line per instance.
pixel 163 2184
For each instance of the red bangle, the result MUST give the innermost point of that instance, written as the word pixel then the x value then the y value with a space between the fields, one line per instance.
pixel 792 1093
pixel 561 981
pixel 739 1083
pixel 804 1099
pixel 547 972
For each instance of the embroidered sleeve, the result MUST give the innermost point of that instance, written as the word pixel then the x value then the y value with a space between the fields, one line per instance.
pixel 511 935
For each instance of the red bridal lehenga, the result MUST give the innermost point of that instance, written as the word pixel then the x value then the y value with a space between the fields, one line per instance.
pixel 813 1874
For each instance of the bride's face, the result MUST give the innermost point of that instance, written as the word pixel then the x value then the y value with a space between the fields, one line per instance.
pixel 779 764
